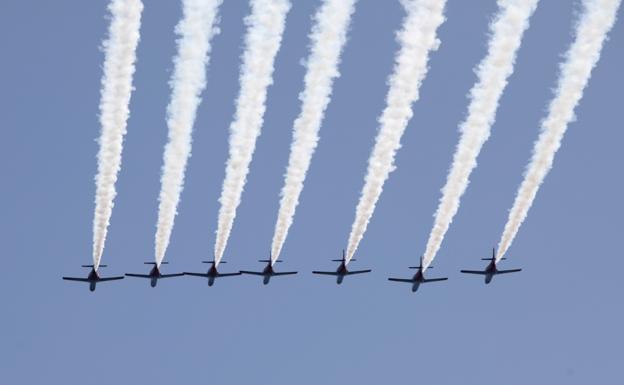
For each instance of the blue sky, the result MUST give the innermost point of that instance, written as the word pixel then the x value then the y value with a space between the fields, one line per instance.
pixel 557 321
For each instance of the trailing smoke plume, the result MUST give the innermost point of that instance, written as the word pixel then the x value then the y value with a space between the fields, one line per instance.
pixel 328 38
pixel 591 32
pixel 265 26
pixel 417 38
pixel 493 71
pixel 195 31
pixel 119 59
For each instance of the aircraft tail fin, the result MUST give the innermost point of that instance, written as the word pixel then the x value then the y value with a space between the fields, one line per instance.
pixel 344 258
pixel 421 264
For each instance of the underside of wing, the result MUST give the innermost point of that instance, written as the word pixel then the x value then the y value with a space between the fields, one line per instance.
pixel 138 275
pixel 474 272
pixel 435 279
pixel 401 280
pixel 110 279
pixel 358 272
pixel 228 274
pixel 76 279
pixel 325 273
pixel 286 273
pixel 251 272
pixel 204 275
pixel 171 275
pixel 508 271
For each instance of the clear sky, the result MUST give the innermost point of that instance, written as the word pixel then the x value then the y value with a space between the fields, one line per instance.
pixel 556 322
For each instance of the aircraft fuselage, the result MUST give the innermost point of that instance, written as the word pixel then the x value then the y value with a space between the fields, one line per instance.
pixel 490 272
pixel 268 272
pixel 341 271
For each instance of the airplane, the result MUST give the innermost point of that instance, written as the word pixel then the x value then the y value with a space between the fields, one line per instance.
pixel 490 270
pixel 154 274
pixel 93 278
pixel 268 271
pixel 342 270
pixel 418 278
pixel 212 273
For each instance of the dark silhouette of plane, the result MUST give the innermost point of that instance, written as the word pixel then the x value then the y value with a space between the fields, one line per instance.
pixel 418 278
pixel 268 271
pixel 154 274
pixel 342 270
pixel 93 278
pixel 490 270
pixel 212 273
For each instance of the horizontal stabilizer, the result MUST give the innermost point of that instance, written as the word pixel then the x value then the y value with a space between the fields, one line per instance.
pixel 94 266
pixel 268 260
pixel 340 260
pixel 489 259
pixel 213 262
pixel 153 263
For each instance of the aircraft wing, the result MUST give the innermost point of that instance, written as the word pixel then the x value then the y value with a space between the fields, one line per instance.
pixel 170 275
pixel 76 279
pixel 358 272
pixel 325 272
pixel 286 273
pixel 252 272
pixel 401 280
pixel 197 274
pixel 110 279
pixel 435 279
pixel 508 271
pixel 228 274
pixel 474 272
pixel 138 275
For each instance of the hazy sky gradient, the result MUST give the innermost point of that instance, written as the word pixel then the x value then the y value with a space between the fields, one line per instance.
pixel 556 322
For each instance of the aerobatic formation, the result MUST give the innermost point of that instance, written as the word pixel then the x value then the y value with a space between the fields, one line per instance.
pixel 266 24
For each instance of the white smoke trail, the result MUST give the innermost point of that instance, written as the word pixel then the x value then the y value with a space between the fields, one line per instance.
pixel 506 31
pixel 416 38
pixel 582 56
pixel 265 26
pixel 120 56
pixel 195 31
pixel 328 38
